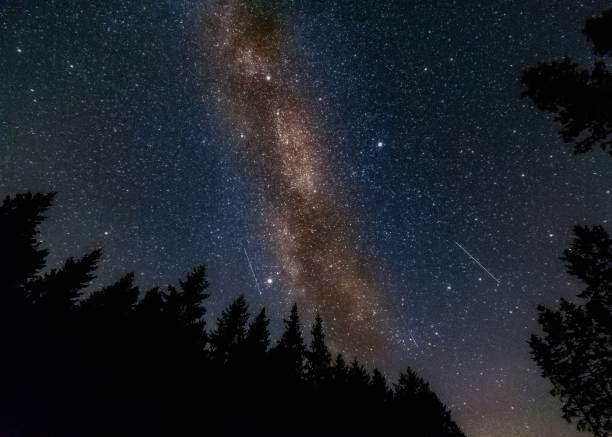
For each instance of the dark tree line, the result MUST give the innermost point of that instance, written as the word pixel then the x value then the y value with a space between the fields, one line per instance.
pixel 125 361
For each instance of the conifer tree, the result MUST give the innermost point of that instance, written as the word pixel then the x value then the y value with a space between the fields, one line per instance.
pixel 358 381
pixel 340 371
pixel 318 365
pixel 59 290
pixel 258 337
pixel 378 387
pixel 114 301
pixel 21 254
pixel 290 351
pixel 230 333
pixel 193 296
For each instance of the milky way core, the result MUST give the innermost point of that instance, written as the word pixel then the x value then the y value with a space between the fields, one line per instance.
pixel 278 136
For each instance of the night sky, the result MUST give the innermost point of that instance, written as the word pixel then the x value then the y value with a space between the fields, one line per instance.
pixel 349 156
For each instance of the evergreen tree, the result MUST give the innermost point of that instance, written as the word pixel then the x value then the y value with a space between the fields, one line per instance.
pixel 115 301
pixel 358 383
pixel 59 290
pixel 21 255
pixel 318 365
pixel 258 337
pixel 575 352
pixel 192 305
pixel 230 334
pixel 422 407
pixel 193 296
pixel 290 351
pixel 409 388
pixel 379 388
pixel 340 372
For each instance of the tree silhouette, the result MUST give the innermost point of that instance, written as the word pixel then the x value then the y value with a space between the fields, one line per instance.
pixel 318 367
pixel 340 372
pixel 575 352
pixel 289 353
pixel 22 257
pixel 230 333
pixel 379 388
pixel 579 99
pixel 258 336
pixel 118 361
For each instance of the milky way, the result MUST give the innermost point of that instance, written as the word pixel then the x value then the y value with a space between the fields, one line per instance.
pixel 280 146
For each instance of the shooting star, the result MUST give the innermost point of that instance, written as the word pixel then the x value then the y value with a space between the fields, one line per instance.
pixel 252 271
pixel 413 340
pixel 477 262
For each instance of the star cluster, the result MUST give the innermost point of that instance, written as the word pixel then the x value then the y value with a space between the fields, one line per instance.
pixel 337 154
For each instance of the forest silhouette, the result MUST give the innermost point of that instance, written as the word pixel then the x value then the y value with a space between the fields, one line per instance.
pixel 123 361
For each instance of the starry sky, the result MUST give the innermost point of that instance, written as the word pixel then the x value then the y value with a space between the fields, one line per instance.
pixel 369 160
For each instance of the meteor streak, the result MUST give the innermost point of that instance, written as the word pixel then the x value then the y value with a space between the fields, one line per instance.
pixel 477 262
pixel 252 271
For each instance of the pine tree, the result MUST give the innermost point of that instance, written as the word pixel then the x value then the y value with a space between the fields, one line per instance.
pixel 21 255
pixel 379 388
pixel 290 351
pixel 193 295
pixel 115 301
pixel 230 333
pixel 58 291
pixel 318 366
pixel 409 388
pixel 358 380
pixel 258 337
pixel 340 372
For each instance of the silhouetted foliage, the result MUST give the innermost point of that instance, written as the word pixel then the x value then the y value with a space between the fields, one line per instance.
pixel 579 99
pixel 575 352
pixel 121 361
